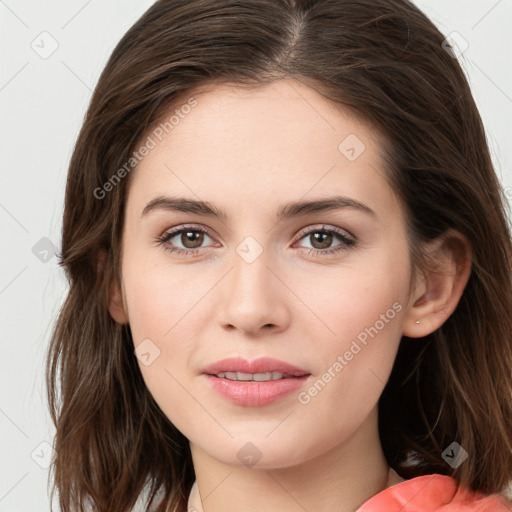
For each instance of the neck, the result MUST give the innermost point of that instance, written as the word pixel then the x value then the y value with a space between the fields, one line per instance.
pixel 340 478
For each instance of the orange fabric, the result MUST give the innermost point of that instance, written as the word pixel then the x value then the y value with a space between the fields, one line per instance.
pixel 433 493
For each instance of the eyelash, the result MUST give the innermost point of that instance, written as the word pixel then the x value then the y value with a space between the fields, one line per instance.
pixel 347 241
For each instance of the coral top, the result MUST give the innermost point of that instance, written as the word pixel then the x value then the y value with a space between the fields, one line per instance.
pixel 428 493
pixel 433 493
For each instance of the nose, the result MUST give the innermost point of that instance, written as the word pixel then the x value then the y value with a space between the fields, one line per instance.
pixel 254 298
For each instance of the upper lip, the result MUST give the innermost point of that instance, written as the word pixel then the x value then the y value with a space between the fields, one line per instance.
pixel 261 365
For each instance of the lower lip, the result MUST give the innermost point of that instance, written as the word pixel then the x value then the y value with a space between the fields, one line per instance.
pixel 255 394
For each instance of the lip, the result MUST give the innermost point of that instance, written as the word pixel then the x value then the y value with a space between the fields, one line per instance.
pixel 254 393
pixel 260 365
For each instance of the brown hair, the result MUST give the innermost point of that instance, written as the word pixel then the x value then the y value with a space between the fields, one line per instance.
pixel 382 58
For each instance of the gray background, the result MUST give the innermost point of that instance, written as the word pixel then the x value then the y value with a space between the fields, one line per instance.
pixel 42 104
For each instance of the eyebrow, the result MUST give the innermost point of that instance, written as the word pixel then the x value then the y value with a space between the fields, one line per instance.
pixel 289 210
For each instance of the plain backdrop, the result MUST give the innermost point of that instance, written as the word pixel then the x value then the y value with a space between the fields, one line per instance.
pixel 43 98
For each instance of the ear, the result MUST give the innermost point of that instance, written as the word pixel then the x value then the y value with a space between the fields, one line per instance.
pixel 117 306
pixel 439 289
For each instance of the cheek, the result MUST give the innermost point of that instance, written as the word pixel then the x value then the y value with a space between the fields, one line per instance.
pixel 344 302
pixel 364 329
pixel 160 310
pixel 163 301
pixel 164 324
pixel 359 315
pixel 355 367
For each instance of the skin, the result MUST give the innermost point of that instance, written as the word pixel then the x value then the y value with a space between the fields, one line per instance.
pixel 248 153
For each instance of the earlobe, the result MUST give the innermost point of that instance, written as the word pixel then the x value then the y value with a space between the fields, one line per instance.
pixel 441 288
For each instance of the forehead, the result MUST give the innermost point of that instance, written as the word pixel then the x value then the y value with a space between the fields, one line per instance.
pixel 284 138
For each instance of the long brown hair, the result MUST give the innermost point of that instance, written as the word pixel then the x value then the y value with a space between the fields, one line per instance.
pixel 385 60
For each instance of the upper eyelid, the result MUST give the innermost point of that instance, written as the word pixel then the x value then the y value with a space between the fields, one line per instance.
pixel 325 227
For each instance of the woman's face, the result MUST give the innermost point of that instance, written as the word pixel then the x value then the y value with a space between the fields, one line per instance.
pixel 286 272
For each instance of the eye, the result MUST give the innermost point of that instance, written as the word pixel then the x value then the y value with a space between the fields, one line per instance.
pixel 191 238
pixel 321 240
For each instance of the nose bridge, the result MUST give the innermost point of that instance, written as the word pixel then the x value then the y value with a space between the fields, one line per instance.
pixel 250 275
pixel 254 298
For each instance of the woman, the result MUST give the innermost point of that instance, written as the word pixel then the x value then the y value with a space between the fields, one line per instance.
pixel 205 355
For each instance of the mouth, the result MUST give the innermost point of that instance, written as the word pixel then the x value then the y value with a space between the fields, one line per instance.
pixel 257 377
pixel 255 383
